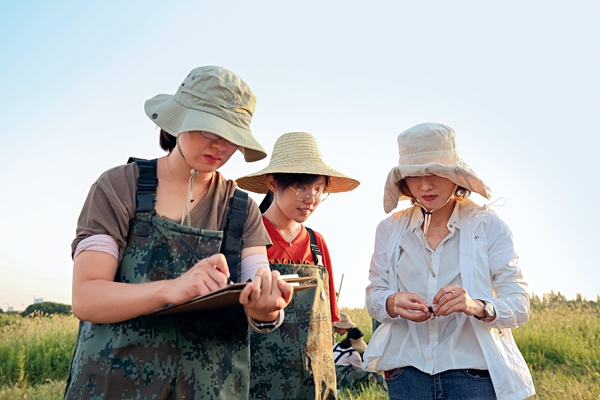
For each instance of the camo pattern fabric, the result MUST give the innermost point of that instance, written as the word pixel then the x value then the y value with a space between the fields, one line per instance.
pixel 184 356
pixel 295 361
pixel 351 377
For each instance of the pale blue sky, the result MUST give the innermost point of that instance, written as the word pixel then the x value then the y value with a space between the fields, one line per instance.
pixel 517 81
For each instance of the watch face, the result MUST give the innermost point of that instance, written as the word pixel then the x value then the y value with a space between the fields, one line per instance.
pixel 489 310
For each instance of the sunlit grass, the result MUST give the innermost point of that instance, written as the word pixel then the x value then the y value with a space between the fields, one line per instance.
pixel 560 343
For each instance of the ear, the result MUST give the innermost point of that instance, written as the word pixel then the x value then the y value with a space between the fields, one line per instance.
pixel 271 183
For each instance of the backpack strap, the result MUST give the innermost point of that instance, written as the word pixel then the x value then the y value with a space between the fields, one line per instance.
pixel 316 252
pixel 336 349
pixel 232 240
pixel 146 185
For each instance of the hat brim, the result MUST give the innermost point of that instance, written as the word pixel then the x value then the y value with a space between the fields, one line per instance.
pixel 338 182
pixel 460 174
pixel 174 118
pixel 344 325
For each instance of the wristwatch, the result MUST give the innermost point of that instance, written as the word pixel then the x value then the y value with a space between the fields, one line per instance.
pixel 488 309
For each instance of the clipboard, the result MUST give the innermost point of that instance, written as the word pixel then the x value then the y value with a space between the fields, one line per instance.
pixel 224 297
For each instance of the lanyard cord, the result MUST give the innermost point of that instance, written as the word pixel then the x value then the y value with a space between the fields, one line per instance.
pixel 426 224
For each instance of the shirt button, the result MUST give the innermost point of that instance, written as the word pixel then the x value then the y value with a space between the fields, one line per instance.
pixel 154 116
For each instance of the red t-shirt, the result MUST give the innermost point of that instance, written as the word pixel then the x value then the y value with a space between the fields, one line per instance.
pixel 299 253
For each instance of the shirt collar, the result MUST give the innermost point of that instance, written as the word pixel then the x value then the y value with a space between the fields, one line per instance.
pixel 417 218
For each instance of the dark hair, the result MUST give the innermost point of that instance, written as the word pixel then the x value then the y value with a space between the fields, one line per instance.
pixel 167 141
pixel 353 333
pixel 460 192
pixel 286 180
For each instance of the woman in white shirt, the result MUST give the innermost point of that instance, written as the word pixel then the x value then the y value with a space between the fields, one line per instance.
pixel 444 282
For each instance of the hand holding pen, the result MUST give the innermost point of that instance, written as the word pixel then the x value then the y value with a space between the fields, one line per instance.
pixel 206 276
pixel 199 257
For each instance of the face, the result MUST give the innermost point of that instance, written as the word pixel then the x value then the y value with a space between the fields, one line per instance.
pixel 287 199
pixel 432 191
pixel 203 153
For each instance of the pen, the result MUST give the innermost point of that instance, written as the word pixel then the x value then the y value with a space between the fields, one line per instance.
pixel 199 257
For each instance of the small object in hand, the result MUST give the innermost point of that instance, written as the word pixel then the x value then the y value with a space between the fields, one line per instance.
pixel 431 312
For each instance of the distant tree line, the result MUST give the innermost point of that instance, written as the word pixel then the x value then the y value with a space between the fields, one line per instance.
pixel 43 308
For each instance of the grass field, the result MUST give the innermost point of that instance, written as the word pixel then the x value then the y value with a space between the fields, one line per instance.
pixel 561 344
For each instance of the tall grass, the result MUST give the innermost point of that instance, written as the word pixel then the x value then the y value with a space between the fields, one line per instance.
pixel 561 344
pixel 36 348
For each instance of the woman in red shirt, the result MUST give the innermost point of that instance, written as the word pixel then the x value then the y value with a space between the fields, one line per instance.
pixel 297 359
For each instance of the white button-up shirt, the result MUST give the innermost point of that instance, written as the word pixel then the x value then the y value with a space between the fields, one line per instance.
pixel 443 343
pixel 479 256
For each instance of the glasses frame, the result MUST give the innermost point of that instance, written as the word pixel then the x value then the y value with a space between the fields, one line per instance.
pixel 319 198
pixel 214 136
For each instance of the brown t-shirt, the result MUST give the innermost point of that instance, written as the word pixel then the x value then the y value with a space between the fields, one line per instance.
pixel 110 206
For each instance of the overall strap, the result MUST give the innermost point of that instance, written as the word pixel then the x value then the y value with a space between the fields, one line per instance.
pixel 342 352
pixel 316 252
pixel 232 240
pixel 146 185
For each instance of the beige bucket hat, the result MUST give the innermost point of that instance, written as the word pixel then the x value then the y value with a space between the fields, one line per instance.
pixel 345 323
pixel 429 149
pixel 210 99
pixel 297 153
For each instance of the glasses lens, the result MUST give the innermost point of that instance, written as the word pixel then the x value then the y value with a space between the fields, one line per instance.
pixel 212 136
pixel 304 194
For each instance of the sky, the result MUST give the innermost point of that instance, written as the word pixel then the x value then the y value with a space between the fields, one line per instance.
pixel 517 81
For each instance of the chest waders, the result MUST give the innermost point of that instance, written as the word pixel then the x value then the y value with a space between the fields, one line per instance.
pixel 184 356
pixel 295 361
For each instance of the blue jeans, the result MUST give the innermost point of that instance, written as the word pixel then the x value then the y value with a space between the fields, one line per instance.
pixel 458 384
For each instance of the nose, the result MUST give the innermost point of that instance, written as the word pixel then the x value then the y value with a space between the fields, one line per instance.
pixel 220 144
pixel 426 183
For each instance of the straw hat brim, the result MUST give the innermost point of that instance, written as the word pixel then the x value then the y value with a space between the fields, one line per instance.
pixel 174 118
pixel 461 174
pixel 297 153
pixel 338 182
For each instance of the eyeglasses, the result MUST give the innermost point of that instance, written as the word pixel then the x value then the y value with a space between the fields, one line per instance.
pixel 304 193
pixel 212 136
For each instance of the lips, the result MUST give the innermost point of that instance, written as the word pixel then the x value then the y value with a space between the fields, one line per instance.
pixel 305 211
pixel 212 159
pixel 429 198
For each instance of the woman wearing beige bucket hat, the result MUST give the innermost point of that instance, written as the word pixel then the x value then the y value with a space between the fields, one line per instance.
pixel 444 282
pixel 163 232
pixel 296 181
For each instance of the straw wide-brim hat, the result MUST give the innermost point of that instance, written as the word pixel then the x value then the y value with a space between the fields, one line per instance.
pixel 211 99
pixel 297 153
pixel 345 322
pixel 429 149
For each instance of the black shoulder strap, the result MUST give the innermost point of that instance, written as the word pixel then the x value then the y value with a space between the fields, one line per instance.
pixel 342 352
pixel 146 184
pixel 232 241
pixel 316 252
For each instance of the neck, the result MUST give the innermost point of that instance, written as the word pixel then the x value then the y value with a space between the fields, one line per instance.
pixel 181 170
pixel 288 228
pixel 442 215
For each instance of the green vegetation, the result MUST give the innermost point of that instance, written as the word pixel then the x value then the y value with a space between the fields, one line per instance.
pixel 48 308
pixel 561 344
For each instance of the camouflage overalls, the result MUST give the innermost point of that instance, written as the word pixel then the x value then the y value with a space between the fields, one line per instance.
pixel 295 361
pixel 185 356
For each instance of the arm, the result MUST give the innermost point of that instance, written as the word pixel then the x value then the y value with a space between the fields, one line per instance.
pixel 266 295
pixel 511 303
pixel 512 294
pixel 384 303
pixel 98 298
